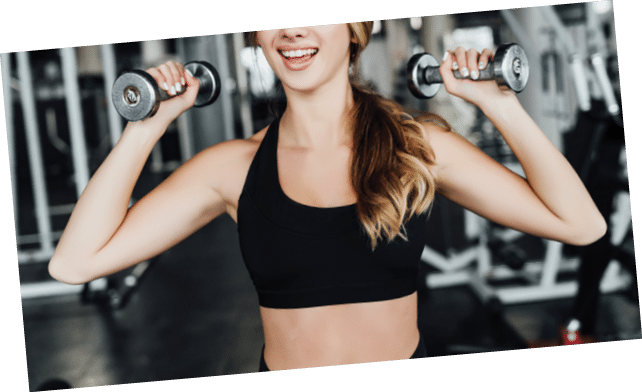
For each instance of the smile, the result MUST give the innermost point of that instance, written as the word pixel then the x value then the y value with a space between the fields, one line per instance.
pixel 294 54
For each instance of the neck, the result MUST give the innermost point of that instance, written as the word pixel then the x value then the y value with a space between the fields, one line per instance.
pixel 320 118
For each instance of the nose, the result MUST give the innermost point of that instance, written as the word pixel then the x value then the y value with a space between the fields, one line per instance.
pixel 292 33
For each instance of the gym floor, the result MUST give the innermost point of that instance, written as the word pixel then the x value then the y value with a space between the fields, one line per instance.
pixel 196 314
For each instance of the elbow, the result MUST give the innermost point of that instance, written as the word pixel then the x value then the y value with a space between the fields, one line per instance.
pixel 590 232
pixel 62 272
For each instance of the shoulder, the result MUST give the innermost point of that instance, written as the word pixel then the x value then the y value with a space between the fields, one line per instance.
pixel 225 165
pixel 433 129
pixel 232 152
pixel 439 136
pixel 449 148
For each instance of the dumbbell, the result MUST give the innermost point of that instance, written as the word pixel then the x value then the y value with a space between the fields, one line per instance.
pixel 509 69
pixel 136 94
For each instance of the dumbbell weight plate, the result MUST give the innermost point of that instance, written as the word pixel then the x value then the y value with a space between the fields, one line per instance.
pixel 135 95
pixel 210 86
pixel 511 67
pixel 414 74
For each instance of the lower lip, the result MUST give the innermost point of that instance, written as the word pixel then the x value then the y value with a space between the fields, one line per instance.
pixel 298 63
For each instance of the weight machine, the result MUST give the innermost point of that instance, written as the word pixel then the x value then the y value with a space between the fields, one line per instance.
pixel 530 280
pixel 29 97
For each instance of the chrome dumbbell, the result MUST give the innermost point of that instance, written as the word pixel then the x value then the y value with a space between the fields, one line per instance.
pixel 136 94
pixel 509 69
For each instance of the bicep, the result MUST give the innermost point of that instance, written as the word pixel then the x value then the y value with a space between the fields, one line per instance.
pixel 470 178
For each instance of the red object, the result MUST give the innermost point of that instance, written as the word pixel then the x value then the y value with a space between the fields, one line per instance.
pixel 573 337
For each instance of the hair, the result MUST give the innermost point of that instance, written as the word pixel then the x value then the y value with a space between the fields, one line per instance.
pixel 391 169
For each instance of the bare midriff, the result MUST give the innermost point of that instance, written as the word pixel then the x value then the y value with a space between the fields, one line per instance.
pixel 340 334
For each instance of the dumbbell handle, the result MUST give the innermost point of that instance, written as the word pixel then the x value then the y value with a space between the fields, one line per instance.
pixel 163 95
pixel 431 73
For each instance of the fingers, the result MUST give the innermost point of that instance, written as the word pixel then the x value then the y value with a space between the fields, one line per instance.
pixel 189 79
pixel 472 59
pixel 470 62
pixel 448 65
pixel 485 58
pixel 461 62
pixel 170 77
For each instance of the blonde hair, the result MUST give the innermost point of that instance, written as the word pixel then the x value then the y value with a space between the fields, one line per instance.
pixel 391 168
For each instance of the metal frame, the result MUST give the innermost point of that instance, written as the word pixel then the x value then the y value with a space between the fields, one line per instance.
pixel 5 58
pixel 34 150
pixel 242 86
pixel 74 113
pixel 110 73
pixel 225 97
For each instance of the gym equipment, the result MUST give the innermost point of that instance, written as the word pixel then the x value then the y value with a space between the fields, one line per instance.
pixel 509 69
pixel 508 253
pixel 136 95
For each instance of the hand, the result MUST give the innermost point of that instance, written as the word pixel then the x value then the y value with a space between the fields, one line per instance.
pixel 174 79
pixel 469 62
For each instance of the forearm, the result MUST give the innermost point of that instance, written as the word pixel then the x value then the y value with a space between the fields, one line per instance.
pixel 547 171
pixel 104 202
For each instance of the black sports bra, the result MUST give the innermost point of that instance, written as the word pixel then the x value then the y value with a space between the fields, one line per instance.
pixel 301 256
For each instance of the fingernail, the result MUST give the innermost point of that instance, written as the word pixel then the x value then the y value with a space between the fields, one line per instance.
pixel 165 86
pixel 172 91
pixel 455 66
pixel 178 87
pixel 474 75
pixel 445 57
pixel 482 65
pixel 464 72
pixel 189 73
pixel 183 81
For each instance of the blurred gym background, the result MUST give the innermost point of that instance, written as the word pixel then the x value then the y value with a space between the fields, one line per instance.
pixel 193 312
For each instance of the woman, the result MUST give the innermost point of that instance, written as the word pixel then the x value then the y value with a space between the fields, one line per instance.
pixel 330 200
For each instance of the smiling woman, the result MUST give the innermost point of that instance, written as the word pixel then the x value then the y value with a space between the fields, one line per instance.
pixel 330 199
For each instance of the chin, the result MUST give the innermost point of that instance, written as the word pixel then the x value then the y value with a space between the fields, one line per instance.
pixel 304 85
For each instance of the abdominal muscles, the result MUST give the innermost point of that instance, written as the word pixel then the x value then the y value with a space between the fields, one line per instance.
pixel 340 334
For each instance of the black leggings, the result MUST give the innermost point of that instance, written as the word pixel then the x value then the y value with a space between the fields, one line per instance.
pixel 420 352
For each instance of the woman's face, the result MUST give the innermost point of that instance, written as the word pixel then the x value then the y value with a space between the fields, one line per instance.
pixel 305 58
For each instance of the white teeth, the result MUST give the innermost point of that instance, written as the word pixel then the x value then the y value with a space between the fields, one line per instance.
pixel 298 53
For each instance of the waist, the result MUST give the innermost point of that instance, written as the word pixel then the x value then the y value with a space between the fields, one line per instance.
pixel 340 334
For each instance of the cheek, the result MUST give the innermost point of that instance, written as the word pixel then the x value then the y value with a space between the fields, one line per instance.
pixel 260 40
pixel 348 42
pixel 341 35
pixel 264 38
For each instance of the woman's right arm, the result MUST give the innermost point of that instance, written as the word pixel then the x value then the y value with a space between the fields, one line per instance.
pixel 103 235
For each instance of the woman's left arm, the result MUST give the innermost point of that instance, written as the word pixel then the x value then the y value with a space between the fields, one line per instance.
pixel 551 202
